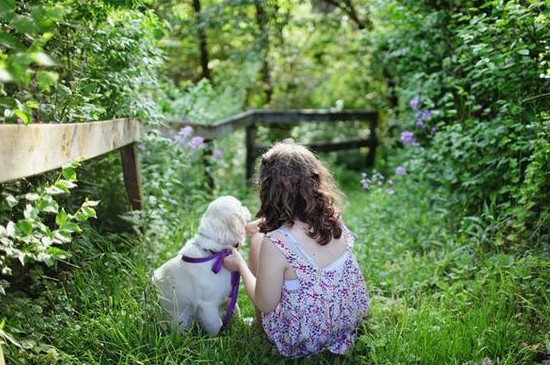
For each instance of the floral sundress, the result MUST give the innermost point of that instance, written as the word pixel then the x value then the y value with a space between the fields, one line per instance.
pixel 324 308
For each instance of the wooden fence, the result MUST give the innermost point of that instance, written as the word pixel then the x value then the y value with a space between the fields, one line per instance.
pixel 251 118
pixel 27 150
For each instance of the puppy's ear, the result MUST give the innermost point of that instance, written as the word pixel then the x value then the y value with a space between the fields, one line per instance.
pixel 234 228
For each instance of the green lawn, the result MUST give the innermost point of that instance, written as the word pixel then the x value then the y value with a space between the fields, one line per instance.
pixel 439 296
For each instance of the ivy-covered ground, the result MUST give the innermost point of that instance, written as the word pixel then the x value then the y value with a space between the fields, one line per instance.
pixel 439 295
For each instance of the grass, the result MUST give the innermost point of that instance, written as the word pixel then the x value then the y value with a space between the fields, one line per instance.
pixel 437 297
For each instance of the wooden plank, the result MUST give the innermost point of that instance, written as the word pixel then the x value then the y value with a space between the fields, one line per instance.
pixel 216 130
pixel 340 146
pixel 207 163
pixel 305 115
pixel 329 147
pixel 132 179
pixel 2 362
pixel 371 156
pixel 226 126
pixel 27 150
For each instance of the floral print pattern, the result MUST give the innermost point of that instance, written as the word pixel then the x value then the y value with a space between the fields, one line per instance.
pixel 326 309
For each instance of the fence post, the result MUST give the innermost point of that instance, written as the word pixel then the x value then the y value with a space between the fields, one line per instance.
pixel 250 150
pixel 373 142
pixel 207 162
pixel 130 170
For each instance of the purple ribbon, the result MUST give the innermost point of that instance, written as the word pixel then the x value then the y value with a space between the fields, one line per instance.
pixel 216 267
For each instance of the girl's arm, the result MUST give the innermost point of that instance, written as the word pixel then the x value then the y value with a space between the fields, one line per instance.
pixel 265 289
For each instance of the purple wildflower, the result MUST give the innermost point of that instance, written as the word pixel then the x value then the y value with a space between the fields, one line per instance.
pixel 141 147
pixel 407 137
pixel 426 114
pixel 435 128
pixel 186 131
pixel 414 103
pixel 217 154
pixel 196 142
pixel 365 182
pixel 400 170
pixel 420 124
pixel 19 121
pixel 183 134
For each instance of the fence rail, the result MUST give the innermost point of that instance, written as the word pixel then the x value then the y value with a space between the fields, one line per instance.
pixel 251 118
pixel 27 150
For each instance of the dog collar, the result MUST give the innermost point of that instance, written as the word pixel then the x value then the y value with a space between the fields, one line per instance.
pixel 216 267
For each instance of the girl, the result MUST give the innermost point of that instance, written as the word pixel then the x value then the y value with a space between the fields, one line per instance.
pixel 302 275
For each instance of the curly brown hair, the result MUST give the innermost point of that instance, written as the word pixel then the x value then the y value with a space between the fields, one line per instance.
pixel 294 184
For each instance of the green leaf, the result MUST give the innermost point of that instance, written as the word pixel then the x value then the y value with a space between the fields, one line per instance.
pixel 46 79
pixel 11 200
pixel 22 115
pixel 24 226
pixel 69 173
pixel 65 184
pixel 54 190
pixel 24 24
pixel 32 104
pixel 32 197
pixel 64 90
pixel 84 213
pixel 42 59
pixel 524 52
pixel 61 217
pixel 10 41
pixel 30 211
pixel 58 253
pixel 90 203
pixel 62 236
pixel 10 229
pixel 69 227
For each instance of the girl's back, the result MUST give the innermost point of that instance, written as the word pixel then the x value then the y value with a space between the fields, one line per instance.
pixel 323 299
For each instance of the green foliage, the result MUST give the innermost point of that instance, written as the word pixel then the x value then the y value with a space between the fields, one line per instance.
pixel 87 61
pixel 116 72
pixel 24 64
pixel 486 96
pixel 207 104
pixel 43 227
pixel 439 297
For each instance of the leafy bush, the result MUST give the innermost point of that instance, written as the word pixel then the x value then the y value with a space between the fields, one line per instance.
pixel 44 226
pixel 85 61
pixel 486 98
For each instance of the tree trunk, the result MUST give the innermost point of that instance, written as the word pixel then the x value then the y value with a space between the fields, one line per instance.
pixel 203 49
pixel 264 29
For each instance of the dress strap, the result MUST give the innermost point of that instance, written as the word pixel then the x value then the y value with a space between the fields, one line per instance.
pixel 295 257
pixel 278 241
pixel 297 247
pixel 349 237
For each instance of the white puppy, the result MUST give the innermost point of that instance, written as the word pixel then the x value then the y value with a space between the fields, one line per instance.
pixel 192 291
